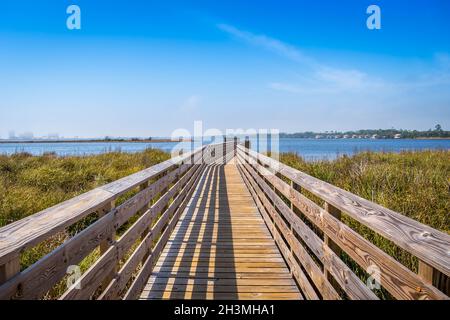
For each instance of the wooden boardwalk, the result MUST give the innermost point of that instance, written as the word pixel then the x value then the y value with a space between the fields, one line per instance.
pixel 221 247
pixel 193 228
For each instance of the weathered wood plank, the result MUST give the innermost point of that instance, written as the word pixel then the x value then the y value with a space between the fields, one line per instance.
pixel 209 240
pixel 36 280
pixel 277 274
pixel 213 288
pixel 222 296
pixel 9 269
pixel 397 279
pixel 342 274
pixel 426 243
pixel 295 269
pixel 106 244
pixel 179 204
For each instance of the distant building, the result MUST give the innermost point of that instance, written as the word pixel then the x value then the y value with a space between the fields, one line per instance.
pixel 397 136
pixel 345 136
pixel 375 136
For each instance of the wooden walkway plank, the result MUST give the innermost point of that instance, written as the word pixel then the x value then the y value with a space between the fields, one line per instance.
pixel 221 248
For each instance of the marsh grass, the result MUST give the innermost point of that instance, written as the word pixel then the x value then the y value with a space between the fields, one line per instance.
pixel 415 184
pixel 29 184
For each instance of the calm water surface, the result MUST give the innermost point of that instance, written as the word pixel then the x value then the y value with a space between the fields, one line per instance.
pixel 311 149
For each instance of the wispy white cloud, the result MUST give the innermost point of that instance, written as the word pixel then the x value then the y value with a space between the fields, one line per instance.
pixel 268 43
pixel 326 80
pixel 322 78
pixel 335 79
pixel 443 60
pixel 191 103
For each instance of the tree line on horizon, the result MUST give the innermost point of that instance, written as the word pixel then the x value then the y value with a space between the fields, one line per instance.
pixel 437 132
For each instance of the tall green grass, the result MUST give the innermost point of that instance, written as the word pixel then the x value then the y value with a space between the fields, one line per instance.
pixel 29 184
pixel 415 184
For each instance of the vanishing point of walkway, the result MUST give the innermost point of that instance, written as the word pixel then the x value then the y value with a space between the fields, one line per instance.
pixel 221 247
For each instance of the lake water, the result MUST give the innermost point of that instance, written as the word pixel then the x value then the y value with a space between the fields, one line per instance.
pixel 310 149
pixel 313 149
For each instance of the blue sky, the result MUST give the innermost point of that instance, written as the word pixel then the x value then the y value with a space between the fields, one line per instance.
pixel 140 68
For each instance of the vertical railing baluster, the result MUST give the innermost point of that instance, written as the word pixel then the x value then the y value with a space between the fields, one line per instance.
pixel 295 187
pixel 9 269
pixel 142 187
pixel 434 277
pixel 106 243
pixel 426 272
pixel 335 212
pixel 224 149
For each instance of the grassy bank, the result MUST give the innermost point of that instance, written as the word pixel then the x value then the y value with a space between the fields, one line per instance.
pixel 415 184
pixel 29 184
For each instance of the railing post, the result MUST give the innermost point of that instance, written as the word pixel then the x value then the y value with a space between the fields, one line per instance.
pixel 295 187
pixel 106 244
pixel 335 212
pixel 142 187
pixel 434 277
pixel 10 269
pixel 426 272
pixel 202 160
pixel 224 150
pixel 247 143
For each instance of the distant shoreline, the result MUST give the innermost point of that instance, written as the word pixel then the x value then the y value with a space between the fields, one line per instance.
pixel 372 139
pixel 98 141
pixel 432 138
pixel 190 140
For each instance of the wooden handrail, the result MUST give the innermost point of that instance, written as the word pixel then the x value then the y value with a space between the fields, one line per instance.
pixel 426 243
pixel 260 171
pixel 168 183
pixel 27 232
